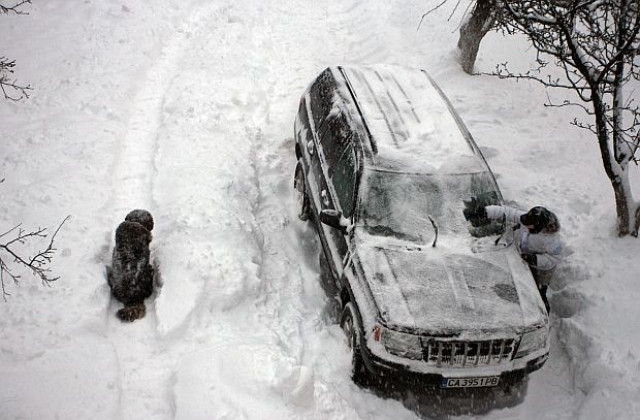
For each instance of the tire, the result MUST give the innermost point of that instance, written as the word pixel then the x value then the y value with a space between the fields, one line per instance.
pixel 301 193
pixel 350 326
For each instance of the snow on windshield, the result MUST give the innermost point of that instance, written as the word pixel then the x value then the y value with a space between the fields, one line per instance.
pixel 403 204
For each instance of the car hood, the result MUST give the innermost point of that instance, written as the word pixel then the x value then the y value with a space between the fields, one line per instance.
pixel 441 291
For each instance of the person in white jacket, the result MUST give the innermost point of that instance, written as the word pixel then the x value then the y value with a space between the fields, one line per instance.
pixel 537 238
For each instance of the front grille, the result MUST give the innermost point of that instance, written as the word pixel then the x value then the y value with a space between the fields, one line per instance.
pixel 467 353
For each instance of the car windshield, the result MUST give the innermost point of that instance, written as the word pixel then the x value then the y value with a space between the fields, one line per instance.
pixel 407 205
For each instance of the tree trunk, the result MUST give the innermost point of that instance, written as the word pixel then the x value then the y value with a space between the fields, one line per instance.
pixel 622 207
pixel 627 211
pixel 472 32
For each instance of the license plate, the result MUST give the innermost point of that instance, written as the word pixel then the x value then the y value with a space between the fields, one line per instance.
pixel 469 382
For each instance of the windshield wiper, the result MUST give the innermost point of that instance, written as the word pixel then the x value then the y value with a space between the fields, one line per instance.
pixel 381 230
pixel 436 229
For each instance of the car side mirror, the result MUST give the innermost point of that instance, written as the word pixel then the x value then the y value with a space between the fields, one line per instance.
pixel 335 219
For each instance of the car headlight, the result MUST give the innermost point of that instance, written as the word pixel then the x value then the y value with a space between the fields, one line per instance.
pixel 532 341
pixel 402 344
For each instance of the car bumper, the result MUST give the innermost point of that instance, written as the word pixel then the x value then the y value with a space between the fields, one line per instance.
pixel 510 374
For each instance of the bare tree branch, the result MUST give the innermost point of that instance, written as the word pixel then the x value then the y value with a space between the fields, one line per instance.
pixel 15 8
pixel 595 43
pixel 424 15
pixel 7 85
pixel 596 46
pixel 12 255
pixel 11 89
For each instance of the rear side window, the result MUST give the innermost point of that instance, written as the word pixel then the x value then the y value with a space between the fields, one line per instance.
pixel 337 145
pixel 322 95
pixel 343 177
pixel 336 138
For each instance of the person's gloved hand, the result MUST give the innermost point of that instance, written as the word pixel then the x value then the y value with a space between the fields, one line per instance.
pixel 475 212
pixel 530 259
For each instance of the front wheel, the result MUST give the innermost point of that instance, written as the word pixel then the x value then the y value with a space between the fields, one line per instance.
pixel 349 324
pixel 301 193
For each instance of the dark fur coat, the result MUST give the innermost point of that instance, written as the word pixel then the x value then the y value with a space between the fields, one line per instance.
pixel 131 274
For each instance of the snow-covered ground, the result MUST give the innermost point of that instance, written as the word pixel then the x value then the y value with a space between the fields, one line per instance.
pixel 186 108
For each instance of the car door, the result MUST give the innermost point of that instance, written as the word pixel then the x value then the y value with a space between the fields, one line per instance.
pixel 339 184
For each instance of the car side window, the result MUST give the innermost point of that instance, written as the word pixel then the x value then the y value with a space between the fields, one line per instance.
pixel 343 177
pixel 336 138
pixel 322 97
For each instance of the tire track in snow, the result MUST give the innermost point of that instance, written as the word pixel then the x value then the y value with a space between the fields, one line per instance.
pixel 145 363
pixel 279 302
pixel 284 311
pixel 356 27
pixel 291 303
pixel 135 168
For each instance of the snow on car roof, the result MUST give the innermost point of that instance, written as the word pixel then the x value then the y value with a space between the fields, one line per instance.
pixel 410 122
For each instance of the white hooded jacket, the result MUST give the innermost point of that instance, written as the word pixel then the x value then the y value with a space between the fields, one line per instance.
pixel 546 244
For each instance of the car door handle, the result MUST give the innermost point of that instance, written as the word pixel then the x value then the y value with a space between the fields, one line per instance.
pixel 310 147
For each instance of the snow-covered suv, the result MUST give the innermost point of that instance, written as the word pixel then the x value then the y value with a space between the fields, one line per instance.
pixel 384 168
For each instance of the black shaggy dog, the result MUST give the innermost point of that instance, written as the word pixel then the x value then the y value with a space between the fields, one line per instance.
pixel 131 273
